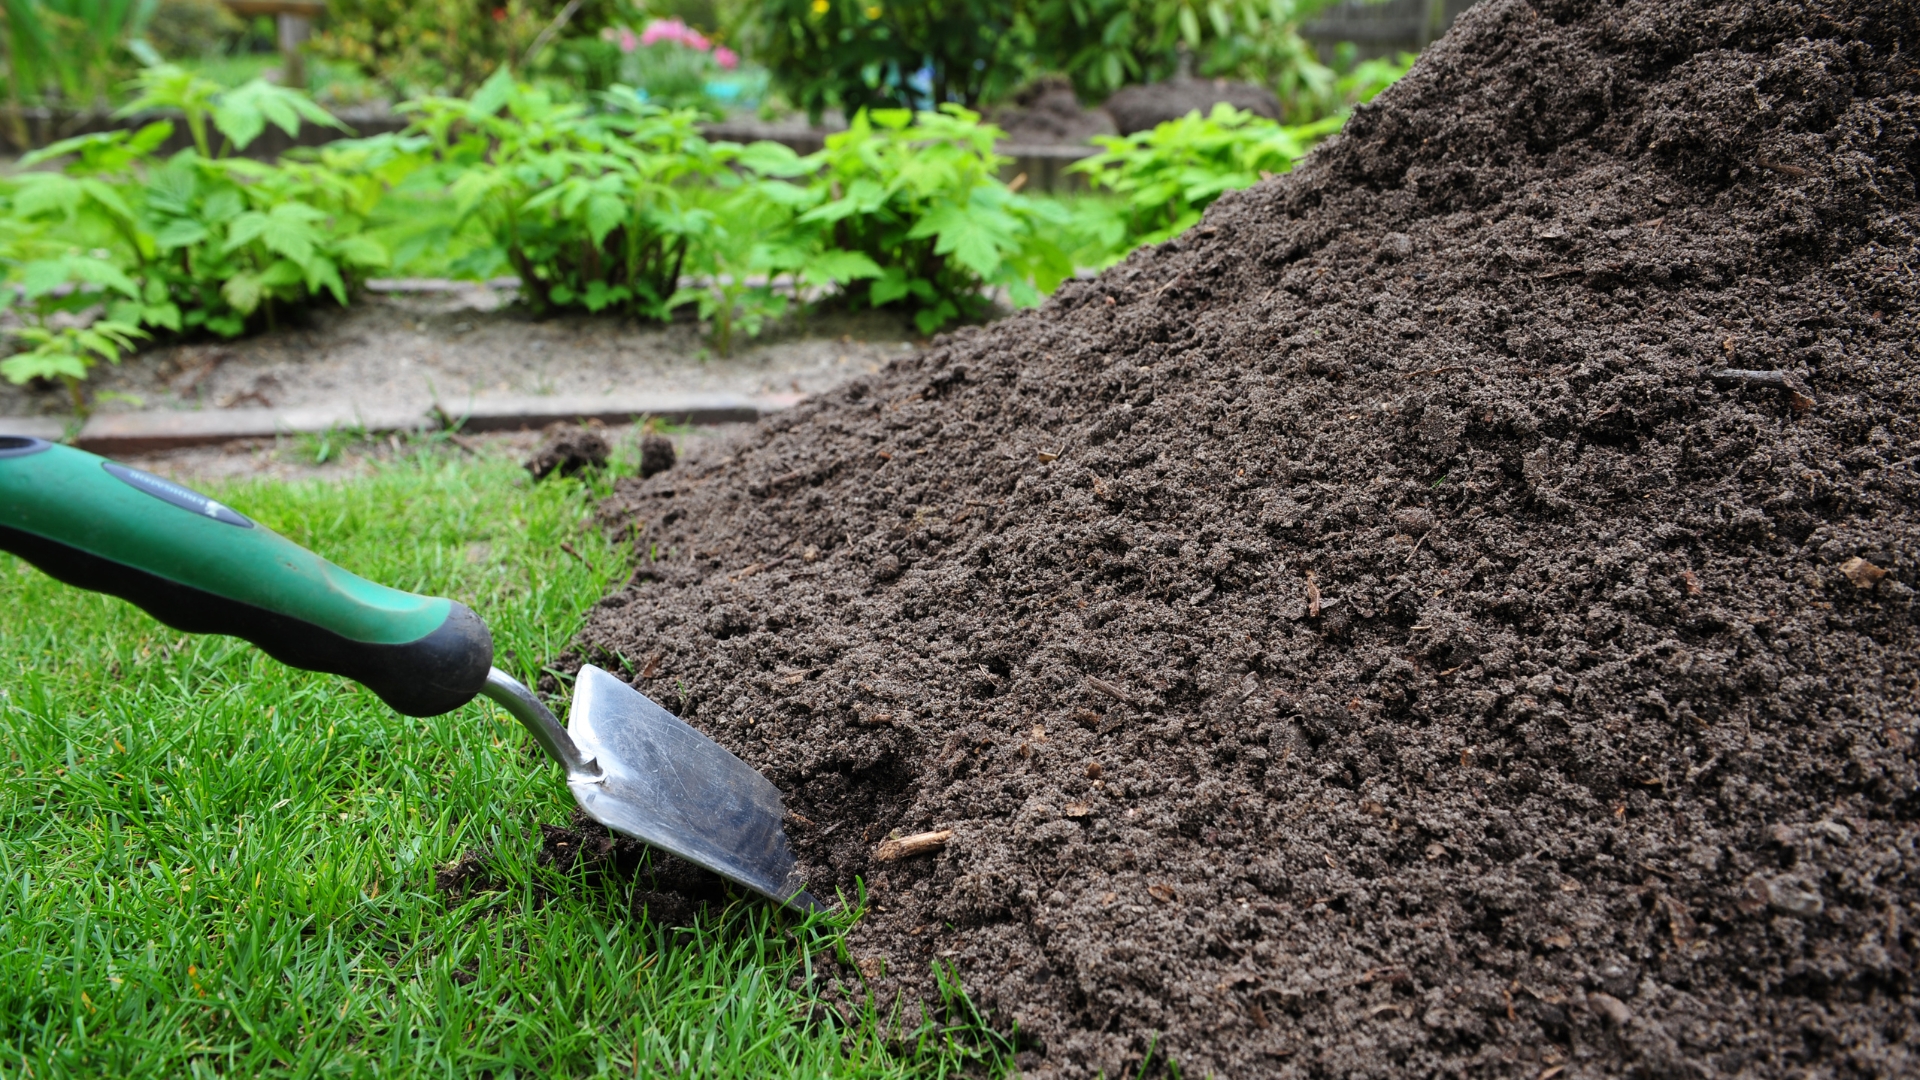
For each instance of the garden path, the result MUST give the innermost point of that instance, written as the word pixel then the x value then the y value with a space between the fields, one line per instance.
pixel 410 346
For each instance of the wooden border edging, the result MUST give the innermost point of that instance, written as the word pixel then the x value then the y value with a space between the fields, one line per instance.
pixel 146 432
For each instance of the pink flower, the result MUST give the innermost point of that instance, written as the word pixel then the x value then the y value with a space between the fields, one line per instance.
pixel 628 42
pixel 726 58
pixel 675 31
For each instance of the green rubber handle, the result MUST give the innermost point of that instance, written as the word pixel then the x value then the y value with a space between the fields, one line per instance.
pixel 202 567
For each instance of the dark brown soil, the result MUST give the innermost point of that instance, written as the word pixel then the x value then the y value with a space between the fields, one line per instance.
pixel 1141 108
pixel 656 455
pixel 1372 634
pixel 570 448
pixel 1048 113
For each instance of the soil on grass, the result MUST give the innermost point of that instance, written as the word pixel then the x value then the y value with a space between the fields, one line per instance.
pixel 1374 634
pixel 569 449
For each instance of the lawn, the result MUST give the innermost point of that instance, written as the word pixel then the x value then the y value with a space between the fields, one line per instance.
pixel 211 863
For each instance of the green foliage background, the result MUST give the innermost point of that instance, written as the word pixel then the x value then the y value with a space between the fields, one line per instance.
pixel 613 205
pixel 853 54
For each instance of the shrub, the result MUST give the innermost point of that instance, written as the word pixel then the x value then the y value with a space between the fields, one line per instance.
pixel 196 241
pixel 873 54
pixel 1103 45
pixel 73 52
pixel 610 210
pixel 49 276
pixel 593 210
pixel 914 207
pixel 193 28
pixel 444 46
pixel 668 61
pixel 1167 176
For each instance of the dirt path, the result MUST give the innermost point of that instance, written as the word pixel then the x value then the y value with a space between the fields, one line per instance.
pixel 1391 630
pixel 415 348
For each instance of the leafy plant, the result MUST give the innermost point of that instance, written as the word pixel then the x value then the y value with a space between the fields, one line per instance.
pixel 445 46
pixel 593 210
pixel 1168 176
pixel 1103 45
pixel 875 54
pixel 68 353
pixel 198 240
pixel 910 211
pixel 669 62
pixel 53 286
pixel 752 242
pixel 71 51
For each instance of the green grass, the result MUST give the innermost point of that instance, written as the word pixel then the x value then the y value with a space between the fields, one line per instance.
pixel 212 864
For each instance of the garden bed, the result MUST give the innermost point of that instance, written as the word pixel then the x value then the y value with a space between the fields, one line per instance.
pixel 1451 611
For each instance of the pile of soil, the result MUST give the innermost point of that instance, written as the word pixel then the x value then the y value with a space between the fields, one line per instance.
pixel 1142 108
pixel 1450 611
pixel 1047 113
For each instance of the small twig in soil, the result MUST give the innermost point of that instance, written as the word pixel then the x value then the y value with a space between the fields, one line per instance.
pixel 1797 398
pixel 908 846
pixel 1110 690
pixel 568 548
pixel 1313 597
pixel 1416 545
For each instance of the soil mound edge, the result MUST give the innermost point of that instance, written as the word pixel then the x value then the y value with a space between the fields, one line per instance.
pixel 1391 628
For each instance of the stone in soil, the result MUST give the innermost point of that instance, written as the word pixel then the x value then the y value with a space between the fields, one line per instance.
pixel 1363 636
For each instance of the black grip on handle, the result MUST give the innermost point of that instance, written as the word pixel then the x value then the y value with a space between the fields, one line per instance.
pixel 425 677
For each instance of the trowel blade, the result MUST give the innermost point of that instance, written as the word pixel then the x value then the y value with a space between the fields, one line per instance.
pixel 666 784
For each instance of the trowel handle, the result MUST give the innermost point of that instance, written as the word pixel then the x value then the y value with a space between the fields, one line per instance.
pixel 205 568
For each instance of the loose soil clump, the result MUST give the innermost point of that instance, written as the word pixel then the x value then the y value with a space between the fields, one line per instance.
pixel 656 455
pixel 569 449
pixel 1417 622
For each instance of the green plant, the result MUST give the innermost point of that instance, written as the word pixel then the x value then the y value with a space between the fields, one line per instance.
pixel 877 54
pixel 68 353
pixel 1103 45
pixel 70 51
pixel 1165 178
pixel 197 240
pixel 735 270
pixel 910 211
pixel 181 29
pixel 593 210
pixel 445 46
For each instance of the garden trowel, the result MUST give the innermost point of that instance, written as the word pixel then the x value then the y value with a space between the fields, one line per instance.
pixel 205 568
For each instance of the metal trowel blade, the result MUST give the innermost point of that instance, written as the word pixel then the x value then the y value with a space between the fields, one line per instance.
pixel 666 784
